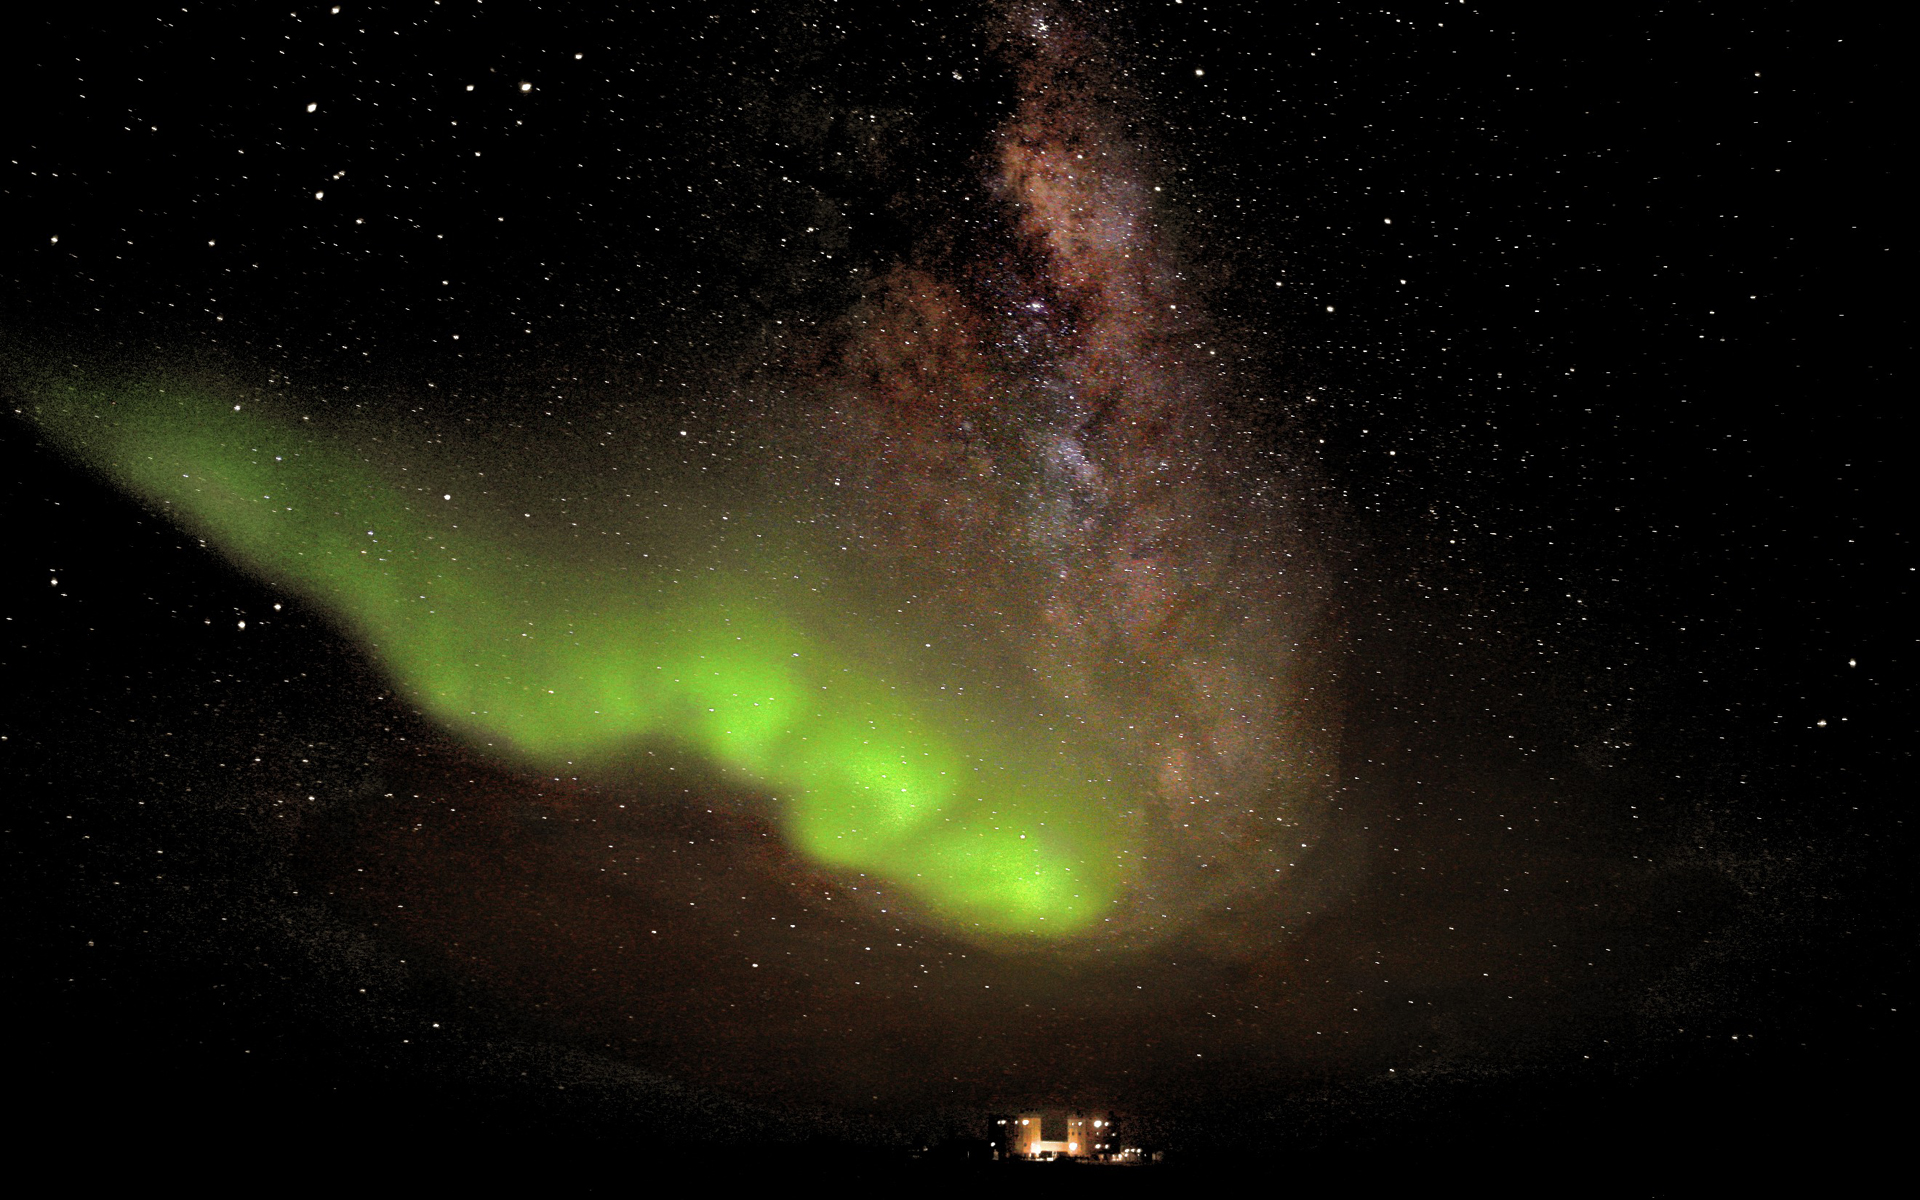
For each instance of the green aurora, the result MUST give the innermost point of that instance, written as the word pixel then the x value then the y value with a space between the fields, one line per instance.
pixel 526 651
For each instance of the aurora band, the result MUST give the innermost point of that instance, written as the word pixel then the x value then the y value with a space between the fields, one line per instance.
pixel 990 832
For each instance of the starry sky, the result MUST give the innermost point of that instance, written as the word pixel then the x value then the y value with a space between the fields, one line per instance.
pixel 1389 508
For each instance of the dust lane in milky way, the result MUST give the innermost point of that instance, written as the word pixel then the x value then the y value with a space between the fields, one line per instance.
pixel 1122 723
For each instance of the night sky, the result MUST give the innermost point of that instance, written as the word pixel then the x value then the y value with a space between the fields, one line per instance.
pixel 1365 538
